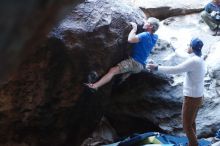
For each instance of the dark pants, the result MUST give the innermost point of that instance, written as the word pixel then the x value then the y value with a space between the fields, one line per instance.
pixel 189 112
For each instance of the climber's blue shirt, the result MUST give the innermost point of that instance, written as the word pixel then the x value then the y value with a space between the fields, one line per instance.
pixel 142 49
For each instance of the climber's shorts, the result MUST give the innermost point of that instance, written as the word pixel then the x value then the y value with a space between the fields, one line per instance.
pixel 130 65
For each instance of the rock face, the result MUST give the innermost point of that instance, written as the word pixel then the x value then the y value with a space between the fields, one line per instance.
pixel 96 34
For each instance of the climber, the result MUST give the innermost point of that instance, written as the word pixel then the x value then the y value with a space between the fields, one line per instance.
pixel 142 46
